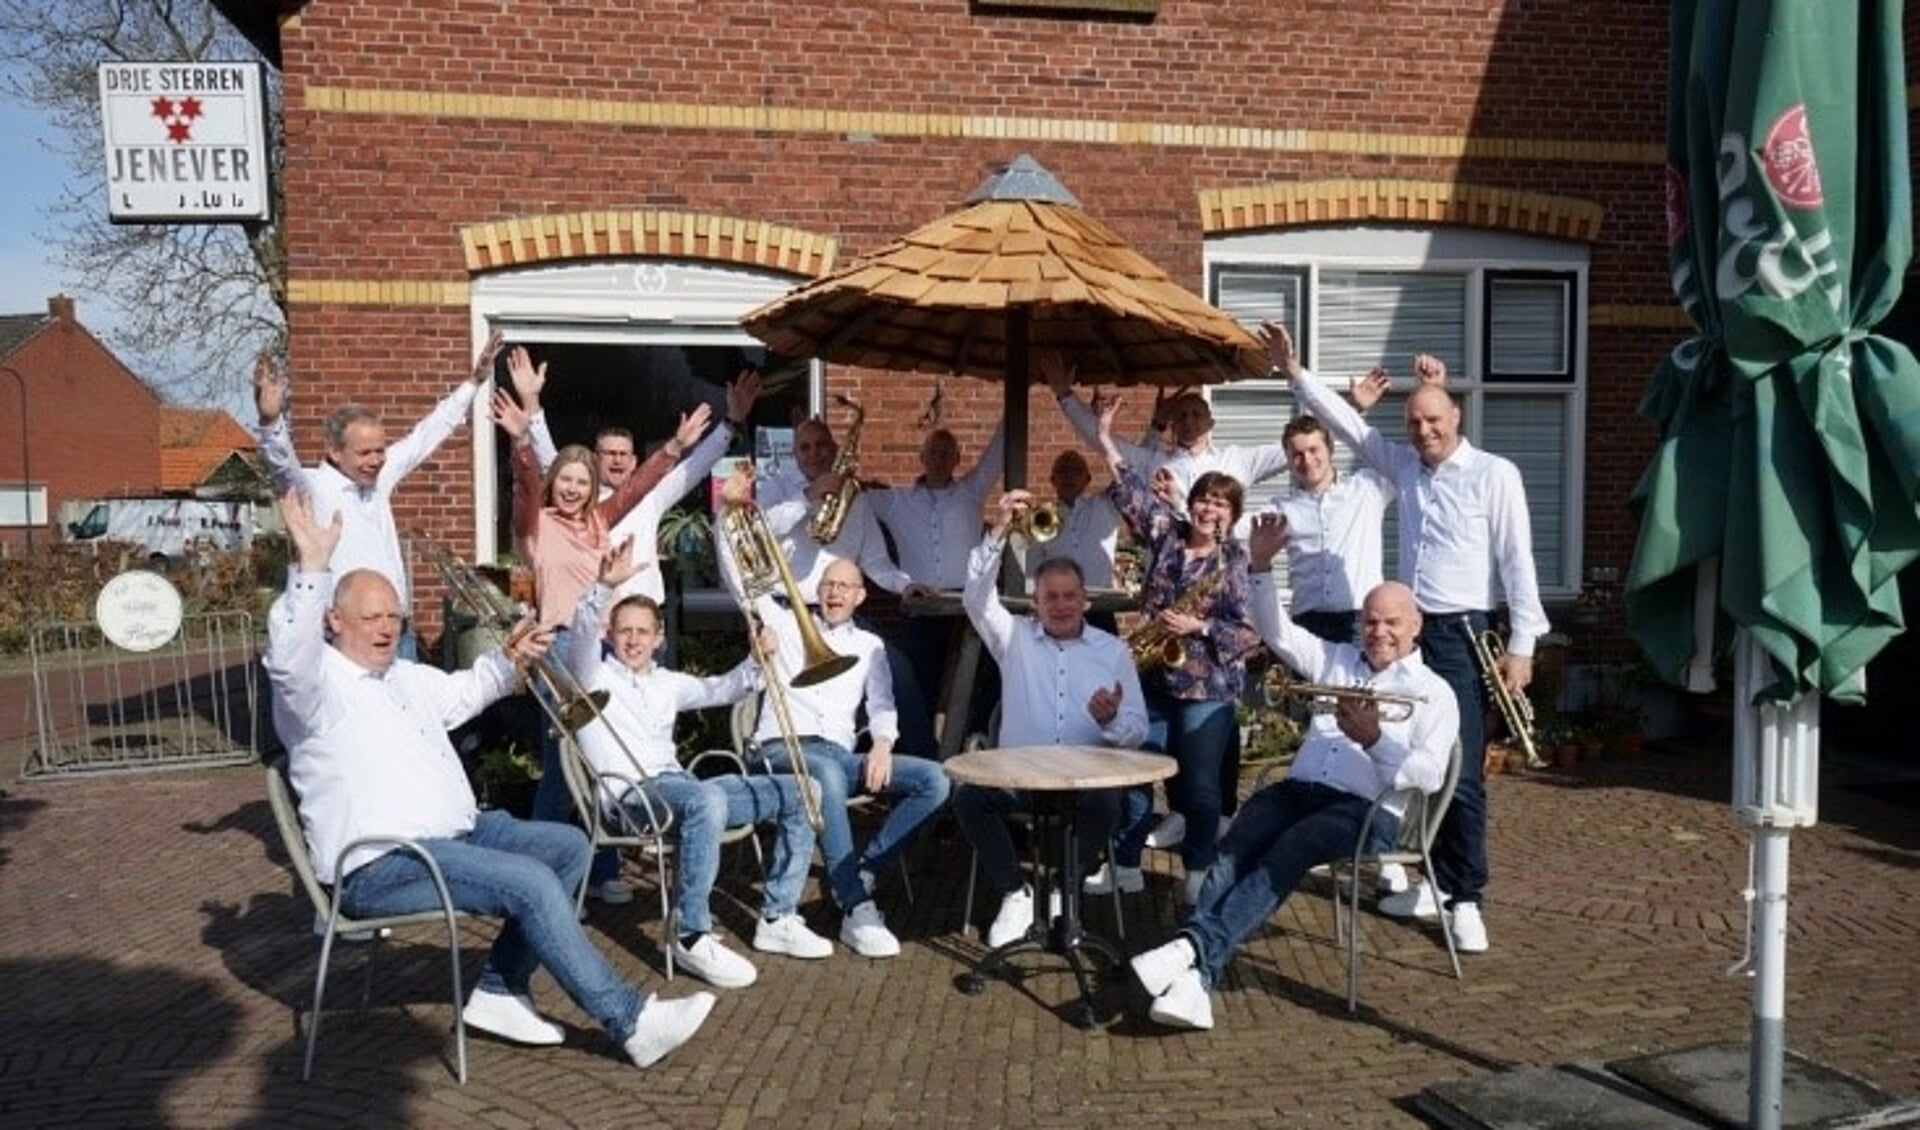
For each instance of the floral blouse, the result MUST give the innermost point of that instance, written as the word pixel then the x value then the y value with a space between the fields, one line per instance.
pixel 1215 666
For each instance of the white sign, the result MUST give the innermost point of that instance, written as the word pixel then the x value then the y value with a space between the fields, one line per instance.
pixel 186 142
pixel 138 611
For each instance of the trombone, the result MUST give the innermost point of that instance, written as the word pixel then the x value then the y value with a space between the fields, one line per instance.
pixel 1277 686
pixel 762 566
pixel 1515 710
pixel 568 705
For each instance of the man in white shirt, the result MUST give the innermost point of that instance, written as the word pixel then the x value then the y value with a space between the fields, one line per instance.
pixel 1089 530
pixel 1333 531
pixel 1062 682
pixel 824 717
pixel 632 752
pixel 1189 419
pixel 789 500
pixel 1315 815
pixel 935 524
pixel 362 471
pixel 1465 535
pixel 368 756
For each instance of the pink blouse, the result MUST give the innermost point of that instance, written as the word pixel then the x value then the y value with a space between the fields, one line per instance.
pixel 565 552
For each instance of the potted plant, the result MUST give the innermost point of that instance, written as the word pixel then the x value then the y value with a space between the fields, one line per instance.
pixel 686 539
pixel 505 777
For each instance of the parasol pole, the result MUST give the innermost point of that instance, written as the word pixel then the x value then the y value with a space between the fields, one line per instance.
pixel 1014 415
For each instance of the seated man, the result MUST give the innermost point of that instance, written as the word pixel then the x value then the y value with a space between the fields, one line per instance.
pixel 642 702
pixel 823 717
pixel 1063 682
pixel 1313 816
pixel 368 755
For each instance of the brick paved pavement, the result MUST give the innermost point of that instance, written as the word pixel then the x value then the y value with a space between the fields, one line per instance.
pixel 151 950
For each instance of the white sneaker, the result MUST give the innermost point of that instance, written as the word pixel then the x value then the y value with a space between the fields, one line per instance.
pixel 1131 880
pixel 665 1025
pixel 1190 888
pixel 1469 930
pixel 1169 832
pixel 864 931
pixel 613 892
pixel 714 963
pixel 1393 879
pixel 1159 967
pixel 1013 921
pixel 790 936
pixel 510 1016
pixel 1184 1005
pixel 1415 902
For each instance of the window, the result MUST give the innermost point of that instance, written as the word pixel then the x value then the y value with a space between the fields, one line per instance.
pixel 1503 311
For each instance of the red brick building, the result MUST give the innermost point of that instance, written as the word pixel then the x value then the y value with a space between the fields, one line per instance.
pixel 91 426
pixel 618 182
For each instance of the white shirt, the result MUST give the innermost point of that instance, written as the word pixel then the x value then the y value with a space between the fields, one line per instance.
pixel 1409 754
pixel 1333 540
pixel 1046 682
pixel 642 523
pixel 1250 465
pixel 642 706
pixel 825 709
pixel 1089 530
pixel 1464 525
pixel 934 529
pixel 368 753
pixel 368 537
pixel 783 498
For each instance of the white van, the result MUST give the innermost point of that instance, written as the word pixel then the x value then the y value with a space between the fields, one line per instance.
pixel 166 529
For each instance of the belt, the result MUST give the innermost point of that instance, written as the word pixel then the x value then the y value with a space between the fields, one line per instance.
pixel 1425 615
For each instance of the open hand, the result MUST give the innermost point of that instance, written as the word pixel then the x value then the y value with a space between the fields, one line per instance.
pixel 1280 351
pixel 483 364
pixel 1367 390
pixel 528 379
pixel 312 543
pixel 1265 540
pixel 269 388
pixel 509 415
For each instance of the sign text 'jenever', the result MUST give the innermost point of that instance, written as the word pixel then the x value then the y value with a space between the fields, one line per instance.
pixel 186 142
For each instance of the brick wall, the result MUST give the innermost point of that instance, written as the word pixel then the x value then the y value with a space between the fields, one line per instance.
pixel 93 428
pixel 406 123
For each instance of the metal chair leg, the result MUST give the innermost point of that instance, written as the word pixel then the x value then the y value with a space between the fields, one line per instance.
pixel 966 916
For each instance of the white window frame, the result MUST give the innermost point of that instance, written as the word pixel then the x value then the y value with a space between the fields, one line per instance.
pixel 633 301
pixel 1477 254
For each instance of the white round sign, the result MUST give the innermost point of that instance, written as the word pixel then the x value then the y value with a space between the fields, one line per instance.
pixel 138 610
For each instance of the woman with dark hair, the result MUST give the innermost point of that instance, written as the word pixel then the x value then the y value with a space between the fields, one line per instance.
pixel 1192 643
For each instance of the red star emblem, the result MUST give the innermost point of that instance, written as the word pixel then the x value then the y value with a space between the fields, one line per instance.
pixel 189 107
pixel 163 107
pixel 179 131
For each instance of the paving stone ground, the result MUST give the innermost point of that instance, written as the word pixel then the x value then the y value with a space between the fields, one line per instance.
pixel 153 953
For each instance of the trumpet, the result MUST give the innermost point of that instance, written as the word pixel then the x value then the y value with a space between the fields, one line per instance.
pixel 1039 522
pixel 1277 687
pixel 757 557
pixel 1515 710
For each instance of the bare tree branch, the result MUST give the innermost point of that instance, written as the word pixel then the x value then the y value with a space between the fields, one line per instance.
pixel 196 302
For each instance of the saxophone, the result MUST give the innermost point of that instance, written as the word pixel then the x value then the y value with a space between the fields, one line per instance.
pixel 1152 644
pixel 832 516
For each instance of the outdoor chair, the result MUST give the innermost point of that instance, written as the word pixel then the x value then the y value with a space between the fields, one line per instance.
pixel 326 905
pixel 1418 826
pixel 611 825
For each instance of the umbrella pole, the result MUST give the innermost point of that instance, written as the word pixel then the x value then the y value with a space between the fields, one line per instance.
pixel 1014 415
pixel 1775 789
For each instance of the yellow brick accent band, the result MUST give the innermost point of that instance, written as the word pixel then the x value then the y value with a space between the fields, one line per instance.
pixel 1278 205
pixel 380 292
pixel 879 123
pixel 680 235
pixel 1640 316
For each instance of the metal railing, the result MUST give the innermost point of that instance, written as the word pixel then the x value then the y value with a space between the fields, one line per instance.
pixel 99 708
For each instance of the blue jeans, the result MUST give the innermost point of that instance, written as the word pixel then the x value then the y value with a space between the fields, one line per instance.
pixel 1203 737
pixel 1460 850
pixel 525 872
pixel 702 810
pixel 917 789
pixel 1282 832
pixel 982 811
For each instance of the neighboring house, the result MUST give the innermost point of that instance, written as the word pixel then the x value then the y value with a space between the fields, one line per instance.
pixel 1482 181
pixel 74 421
pixel 207 453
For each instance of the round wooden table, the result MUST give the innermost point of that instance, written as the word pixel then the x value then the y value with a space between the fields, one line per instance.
pixel 1053 774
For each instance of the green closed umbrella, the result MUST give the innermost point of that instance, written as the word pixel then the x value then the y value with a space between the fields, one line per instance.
pixel 1781 502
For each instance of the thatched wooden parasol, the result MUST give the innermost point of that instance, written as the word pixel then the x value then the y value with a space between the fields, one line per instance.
pixel 1020 268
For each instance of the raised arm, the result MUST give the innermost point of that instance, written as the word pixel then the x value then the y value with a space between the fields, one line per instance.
pixel 527 484
pixel 528 382
pixel 1320 401
pixel 1298 648
pixel 276 441
pixel 648 475
pixel 453 409
pixel 1053 368
pixel 296 626
pixel 986 470
pixel 981 597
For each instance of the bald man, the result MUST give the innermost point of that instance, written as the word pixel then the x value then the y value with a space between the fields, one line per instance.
pixel 1465 537
pixel 1316 814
